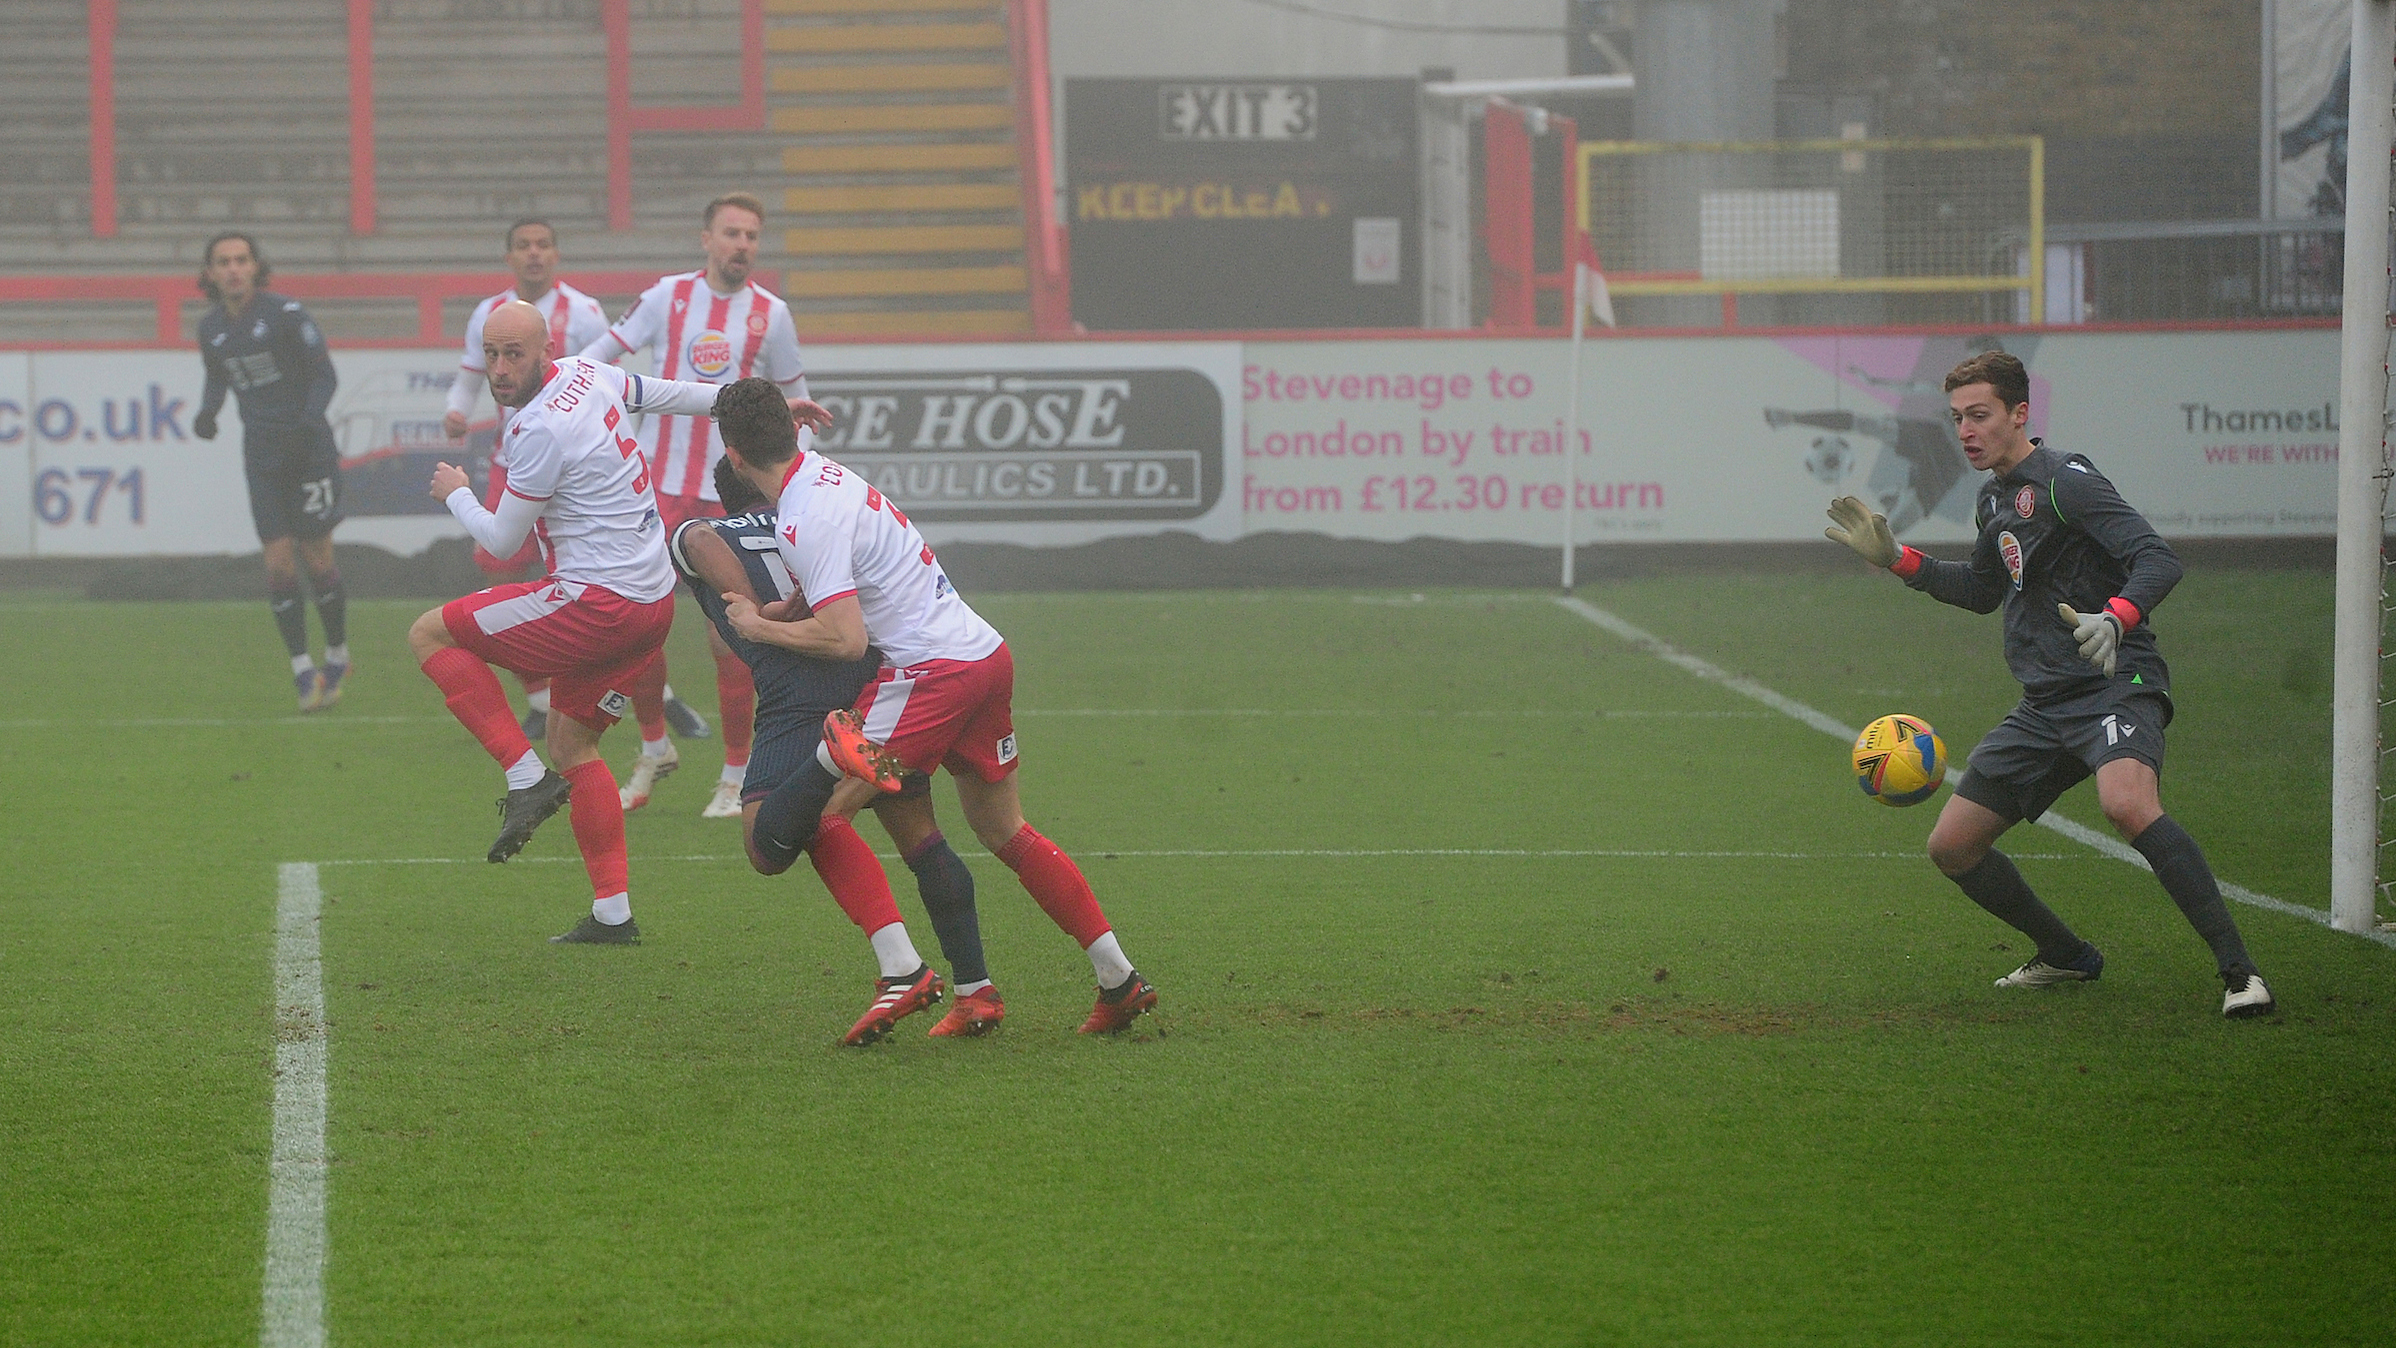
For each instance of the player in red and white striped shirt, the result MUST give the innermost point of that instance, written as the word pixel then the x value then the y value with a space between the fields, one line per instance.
pixel 709 326
pixel 575 321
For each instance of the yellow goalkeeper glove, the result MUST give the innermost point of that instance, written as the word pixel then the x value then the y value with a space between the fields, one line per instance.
pixel 1860 527
pixel 2099 635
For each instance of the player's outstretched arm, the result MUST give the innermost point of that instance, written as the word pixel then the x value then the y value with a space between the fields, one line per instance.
pixel 1863 529
pixel 836 632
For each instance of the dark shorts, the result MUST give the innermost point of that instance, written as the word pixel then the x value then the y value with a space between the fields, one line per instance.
pixel 784 744
pixel 295 482
pixel 2039 752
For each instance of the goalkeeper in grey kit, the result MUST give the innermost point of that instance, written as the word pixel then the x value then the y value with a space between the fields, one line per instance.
pixel 2079 573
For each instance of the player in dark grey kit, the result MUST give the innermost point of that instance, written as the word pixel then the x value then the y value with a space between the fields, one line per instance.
pixel 2079 572
pixel 794 694
pixel 267 350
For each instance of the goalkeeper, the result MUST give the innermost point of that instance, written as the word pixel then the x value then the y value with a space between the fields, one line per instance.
pixel 2079 573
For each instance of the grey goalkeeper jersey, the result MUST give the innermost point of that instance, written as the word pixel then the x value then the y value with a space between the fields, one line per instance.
pixel 2053 530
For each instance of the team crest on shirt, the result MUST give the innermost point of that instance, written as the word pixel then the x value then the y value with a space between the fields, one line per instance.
pixel 711 353
pixel 756 322
pixel 2011 549
pixel 2025 501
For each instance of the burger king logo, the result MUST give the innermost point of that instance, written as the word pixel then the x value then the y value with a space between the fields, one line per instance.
pixel 710 353
pixel 2025 501
pixel 2011 548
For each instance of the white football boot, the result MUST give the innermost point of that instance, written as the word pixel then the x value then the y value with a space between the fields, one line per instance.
pixel 725 803
pixel 646 769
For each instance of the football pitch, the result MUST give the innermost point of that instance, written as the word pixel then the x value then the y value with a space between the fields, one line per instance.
pixel 1519 986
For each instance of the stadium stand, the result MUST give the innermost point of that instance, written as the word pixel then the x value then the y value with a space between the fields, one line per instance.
pixel 887 145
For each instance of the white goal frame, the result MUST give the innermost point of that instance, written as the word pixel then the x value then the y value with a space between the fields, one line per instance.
pixel 2363 473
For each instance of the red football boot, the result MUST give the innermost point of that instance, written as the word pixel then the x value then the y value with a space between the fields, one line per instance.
pixel 1118 1007
pixel 854 754
pixel 895 999
pixel 972 1014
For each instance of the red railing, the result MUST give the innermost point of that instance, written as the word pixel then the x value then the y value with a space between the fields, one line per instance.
pixel 623 118
pixel 429 290
pixel 100 22
pixel 1044 243
pixel 361 116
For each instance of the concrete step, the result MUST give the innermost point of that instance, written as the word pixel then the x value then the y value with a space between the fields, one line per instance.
pixel 887 77
pixel 864 37
pixel 822 324
pixel 862 281
pixel 952 156
pixel 910 197
pixel 855 118
pixel 860 239
pixel 847 7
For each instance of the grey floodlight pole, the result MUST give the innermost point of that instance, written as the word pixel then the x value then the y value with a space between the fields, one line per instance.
pixel 2362 491
pixel 1572 417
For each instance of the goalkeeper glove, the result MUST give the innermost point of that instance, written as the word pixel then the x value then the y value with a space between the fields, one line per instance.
pixel 204 425
pixel 1859 527
pixel 2099 635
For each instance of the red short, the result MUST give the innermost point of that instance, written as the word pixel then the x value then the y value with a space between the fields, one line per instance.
pixel 586 639
pixel 957 714
pixel 676 510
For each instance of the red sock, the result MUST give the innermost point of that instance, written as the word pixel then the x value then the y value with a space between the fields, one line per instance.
pixel 599 828
pixel 478 702
pixel 736 706
pixel 853 873
pixel 1056 884
pixel 649 696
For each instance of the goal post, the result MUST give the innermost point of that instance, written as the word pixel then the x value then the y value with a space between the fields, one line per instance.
pixel 1955 215
pixel 2356 755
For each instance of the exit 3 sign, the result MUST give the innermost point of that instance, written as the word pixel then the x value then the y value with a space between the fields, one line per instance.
pixel 1236 111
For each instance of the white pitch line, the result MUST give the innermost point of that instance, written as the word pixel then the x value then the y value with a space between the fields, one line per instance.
pixel 1301 853
pixel 209 722
pixel 1294 713
pixel 1787 706
pixel 293 1301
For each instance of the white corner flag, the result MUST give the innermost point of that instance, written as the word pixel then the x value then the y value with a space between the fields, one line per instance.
pixel 1600 300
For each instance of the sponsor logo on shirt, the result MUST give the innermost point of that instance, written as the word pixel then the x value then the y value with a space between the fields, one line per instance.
pixel 711 353
pixel 2011 549
pixel 2025 501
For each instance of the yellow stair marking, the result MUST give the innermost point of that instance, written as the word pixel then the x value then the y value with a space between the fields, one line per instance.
pixel 895 117
pixel 915 197
pixel 895 158
pixel 885 37
pixel 804 283
pixel 904 239
pixel 885 77
pixel 913 322
pixel 874 6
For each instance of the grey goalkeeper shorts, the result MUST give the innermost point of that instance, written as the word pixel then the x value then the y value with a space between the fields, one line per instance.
pixel 2039 751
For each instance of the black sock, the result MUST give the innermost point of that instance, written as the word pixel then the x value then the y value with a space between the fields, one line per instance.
pixel 332 606
pixel 283 600
pixel 1997 885
pixel 2180 864
pixel 946 885
pixel 786 818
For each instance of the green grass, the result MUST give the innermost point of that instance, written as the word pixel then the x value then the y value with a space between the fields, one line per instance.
pixel 1525 1099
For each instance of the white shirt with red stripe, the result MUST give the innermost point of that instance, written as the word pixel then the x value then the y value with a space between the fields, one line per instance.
pixel 709 338
pixel 573 467
pixel 575 321
pixel 840 536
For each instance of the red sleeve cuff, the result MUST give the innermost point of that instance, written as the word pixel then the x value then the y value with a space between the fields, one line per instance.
pixel 2124 610
pixel 1909 560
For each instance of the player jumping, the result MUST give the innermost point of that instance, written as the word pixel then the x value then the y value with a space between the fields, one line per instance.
pixel 575 321
pixel 795 693
pixel 592 624
pixel 943 698
pixel 2079 573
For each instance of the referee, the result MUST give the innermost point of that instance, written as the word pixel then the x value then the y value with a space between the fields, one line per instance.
pixel 2078 573
pixel 266 349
